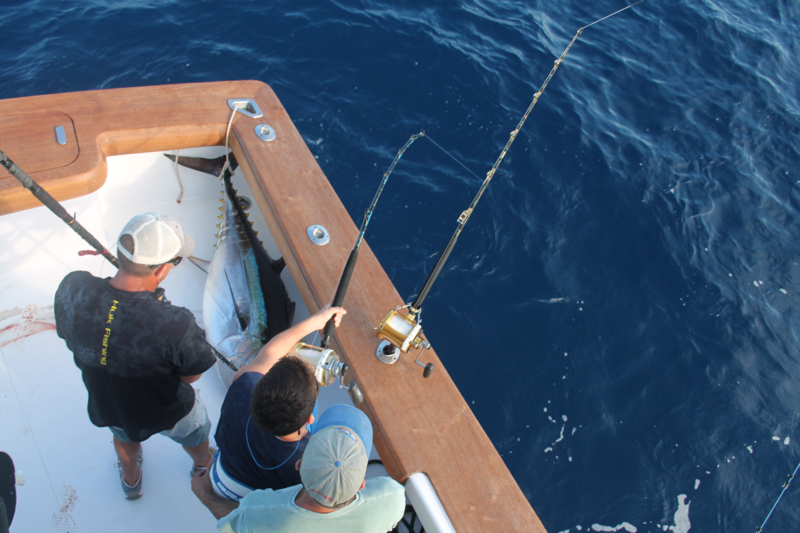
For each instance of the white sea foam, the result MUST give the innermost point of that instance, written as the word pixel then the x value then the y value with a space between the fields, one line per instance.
pixel 623 526
pixel 682 524
pixel 561 436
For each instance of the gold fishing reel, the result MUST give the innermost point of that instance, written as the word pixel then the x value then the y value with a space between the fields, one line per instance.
pixel 327 367
pixel 401 334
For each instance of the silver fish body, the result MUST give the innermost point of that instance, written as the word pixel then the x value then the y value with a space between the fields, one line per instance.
pixel 243 283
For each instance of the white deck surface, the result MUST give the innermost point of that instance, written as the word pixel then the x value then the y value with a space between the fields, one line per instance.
pixel 71 481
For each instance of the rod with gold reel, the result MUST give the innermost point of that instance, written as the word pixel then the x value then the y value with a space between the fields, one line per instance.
pixel 402 333
pixel 326 363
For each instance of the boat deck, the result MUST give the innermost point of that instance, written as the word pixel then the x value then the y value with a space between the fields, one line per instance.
pixel 68 463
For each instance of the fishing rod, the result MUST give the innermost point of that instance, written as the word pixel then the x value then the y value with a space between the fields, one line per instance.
pixel 785 486
pixel 57 209
pixel 326 364
pixel 344 281
pixel 53 205
pixel 402 332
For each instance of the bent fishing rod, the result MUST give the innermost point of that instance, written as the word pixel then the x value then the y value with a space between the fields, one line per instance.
pixel 401 333
pixel 58 210
pixel 347 273
pixel 326 364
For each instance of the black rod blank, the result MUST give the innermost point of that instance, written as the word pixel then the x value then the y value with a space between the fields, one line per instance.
pixel 344 281
pixel 338 299
pixel 53 205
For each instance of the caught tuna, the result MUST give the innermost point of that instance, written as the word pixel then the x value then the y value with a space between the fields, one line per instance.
pixel 245 302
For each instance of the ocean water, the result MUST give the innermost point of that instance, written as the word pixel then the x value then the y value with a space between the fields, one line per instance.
pixel 620 311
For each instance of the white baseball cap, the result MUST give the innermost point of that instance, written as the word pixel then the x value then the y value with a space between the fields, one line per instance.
pixel 156 239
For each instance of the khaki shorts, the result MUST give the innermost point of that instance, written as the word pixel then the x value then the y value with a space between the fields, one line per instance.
pixel 191 431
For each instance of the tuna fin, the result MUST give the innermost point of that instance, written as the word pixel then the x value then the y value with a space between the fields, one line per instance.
pixel 202 264
pixel 208 166
pixel 278 265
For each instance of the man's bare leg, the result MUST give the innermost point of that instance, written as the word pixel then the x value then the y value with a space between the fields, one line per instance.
pixel 201 455
pixel 128 453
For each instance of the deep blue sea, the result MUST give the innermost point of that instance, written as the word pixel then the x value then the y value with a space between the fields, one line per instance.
pixel 621 310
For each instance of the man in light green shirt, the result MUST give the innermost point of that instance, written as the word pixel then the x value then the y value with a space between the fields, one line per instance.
pixel 333 496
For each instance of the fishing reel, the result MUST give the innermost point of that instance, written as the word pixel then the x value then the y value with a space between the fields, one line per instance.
pixel 327 367
pixel 401 334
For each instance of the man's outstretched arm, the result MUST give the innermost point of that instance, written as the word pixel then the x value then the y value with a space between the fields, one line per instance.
pixel 282 343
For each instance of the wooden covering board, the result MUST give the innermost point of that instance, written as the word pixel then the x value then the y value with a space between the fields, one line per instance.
pixel 421 425
pixel 37 129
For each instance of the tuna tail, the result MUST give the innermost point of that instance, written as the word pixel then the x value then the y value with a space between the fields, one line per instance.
pixel 280 308
pixel 207 166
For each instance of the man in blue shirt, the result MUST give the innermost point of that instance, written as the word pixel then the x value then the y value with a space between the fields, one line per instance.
pixel 263 426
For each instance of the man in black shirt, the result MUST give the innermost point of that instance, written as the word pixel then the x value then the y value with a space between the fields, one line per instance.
pixel 138 355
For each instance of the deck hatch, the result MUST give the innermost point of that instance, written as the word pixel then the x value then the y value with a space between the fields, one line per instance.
pixel 37 141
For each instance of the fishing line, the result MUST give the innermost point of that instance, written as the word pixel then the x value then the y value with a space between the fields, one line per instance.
pixel 451 156
pixel 785 486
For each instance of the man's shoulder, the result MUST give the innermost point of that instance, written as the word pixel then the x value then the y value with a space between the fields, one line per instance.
pixel 73 293
pixel 383 486
pixel 246 381
pixel 78 278
pixel 261 507
pixel 238 394
pixel 263 500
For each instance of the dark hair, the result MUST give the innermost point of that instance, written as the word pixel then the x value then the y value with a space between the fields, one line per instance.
pixel 284 398
pixel 128 266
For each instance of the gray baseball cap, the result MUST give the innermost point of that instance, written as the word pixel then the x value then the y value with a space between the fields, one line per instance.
pixel 335 460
